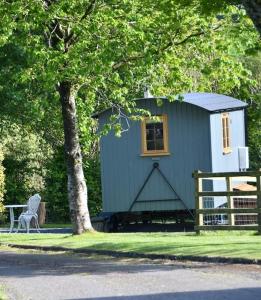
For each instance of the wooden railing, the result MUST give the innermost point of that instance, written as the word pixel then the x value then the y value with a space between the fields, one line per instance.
pixel 229 193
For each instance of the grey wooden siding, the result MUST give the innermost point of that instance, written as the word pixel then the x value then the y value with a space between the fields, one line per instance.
pixel 124 170
pixel 226 162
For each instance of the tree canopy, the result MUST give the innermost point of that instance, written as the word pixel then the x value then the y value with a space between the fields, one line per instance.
pixel 110 49
pixel 252 7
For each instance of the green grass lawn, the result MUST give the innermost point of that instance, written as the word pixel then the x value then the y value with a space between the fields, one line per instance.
pixel 2 294
pixel 222 244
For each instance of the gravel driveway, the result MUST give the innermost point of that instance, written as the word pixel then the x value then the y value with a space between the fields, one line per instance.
pixel 69 277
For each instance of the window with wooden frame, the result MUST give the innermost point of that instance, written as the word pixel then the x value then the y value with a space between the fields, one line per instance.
pixel 226 133
pixel 154 133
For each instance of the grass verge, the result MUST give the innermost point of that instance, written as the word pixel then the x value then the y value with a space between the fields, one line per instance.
pixel 2 294
pixel 220 244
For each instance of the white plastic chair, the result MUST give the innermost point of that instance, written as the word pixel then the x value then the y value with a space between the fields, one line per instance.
pixel 25 218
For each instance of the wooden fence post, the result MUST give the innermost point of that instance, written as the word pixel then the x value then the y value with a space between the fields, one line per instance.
pixel 230 194
pixel 258 201
pixel 198 188
pixel 230 201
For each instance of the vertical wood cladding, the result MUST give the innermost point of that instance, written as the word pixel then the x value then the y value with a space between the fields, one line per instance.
pixel 195 143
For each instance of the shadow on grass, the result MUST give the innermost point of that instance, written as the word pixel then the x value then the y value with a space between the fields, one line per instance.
pixel 247 248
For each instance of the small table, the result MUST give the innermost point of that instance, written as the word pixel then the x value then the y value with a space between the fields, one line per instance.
pixel 11 211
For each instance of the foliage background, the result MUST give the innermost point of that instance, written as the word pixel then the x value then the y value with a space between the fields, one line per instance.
pixel 222 56
pixel 2 181
pixel 55 192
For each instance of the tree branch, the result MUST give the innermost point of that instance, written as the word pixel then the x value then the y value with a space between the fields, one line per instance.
pixel 195 34
pixel 170 44
pixel 126 61
pixel 89 9
pixel 189 37
pixel 70 38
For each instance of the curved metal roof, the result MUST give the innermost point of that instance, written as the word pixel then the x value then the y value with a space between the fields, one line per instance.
pixel 208 101
pixel 213 102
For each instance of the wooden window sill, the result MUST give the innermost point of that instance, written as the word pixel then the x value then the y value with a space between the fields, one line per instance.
pixel 227 151
pixel 156 154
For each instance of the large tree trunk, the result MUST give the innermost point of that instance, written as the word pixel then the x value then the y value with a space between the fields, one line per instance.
pixel 77 189
pixel 253 8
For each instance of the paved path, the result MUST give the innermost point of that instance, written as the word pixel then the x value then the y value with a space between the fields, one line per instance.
pixel 42 230
pixel 58 276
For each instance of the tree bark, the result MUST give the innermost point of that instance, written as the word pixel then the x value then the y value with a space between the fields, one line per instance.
pixel 253 9
pixel 77 188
